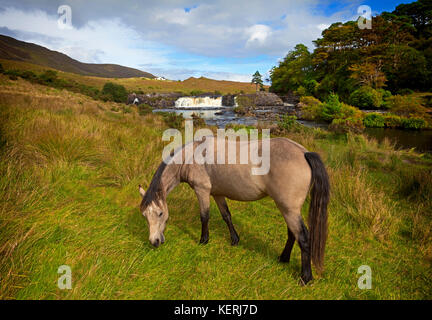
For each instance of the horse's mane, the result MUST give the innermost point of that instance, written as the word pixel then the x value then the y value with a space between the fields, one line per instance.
pixel 155 191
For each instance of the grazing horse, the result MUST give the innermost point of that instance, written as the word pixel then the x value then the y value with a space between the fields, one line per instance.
pixel 292 173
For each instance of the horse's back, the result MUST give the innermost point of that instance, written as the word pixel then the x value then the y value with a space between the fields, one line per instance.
pixel 287 167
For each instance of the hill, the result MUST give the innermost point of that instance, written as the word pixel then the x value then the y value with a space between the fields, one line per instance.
pixel 13 49
pixel 140 84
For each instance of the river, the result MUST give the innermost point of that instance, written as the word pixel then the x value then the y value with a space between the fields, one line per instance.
pixel 221 116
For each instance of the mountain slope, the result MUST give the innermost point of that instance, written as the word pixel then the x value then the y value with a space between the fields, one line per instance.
pixel 12 49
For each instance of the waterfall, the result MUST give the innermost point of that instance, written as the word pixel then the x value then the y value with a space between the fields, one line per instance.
pixel 198 102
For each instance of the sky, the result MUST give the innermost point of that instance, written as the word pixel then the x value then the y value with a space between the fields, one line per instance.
pixel 177 39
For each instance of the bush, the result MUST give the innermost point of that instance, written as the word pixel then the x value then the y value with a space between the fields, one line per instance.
pixel 310 107
pixel 2 70
pixel 196 92
pixel 331 108
pixel 392 121
pixel 173 120
pixel 310 86
pixel 48 77
pixel 197 120
pixel 114 92
pixel 414 123
pixel 288 123
pixel 374 120
pixel 366 97
pixel 301 91
pixel 407 106
pixel 351 124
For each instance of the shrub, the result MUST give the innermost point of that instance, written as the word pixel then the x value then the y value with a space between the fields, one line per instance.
pixel 114 92
pixel 407 106
pixel 288 123
pixel 374 120
pixel 310 86
pixel 197 120
pixel 2 70
pixel 351 124
pixel 48 77
pixel 366 97
pixel 173 120
pixel 414 123
pixel 392 121
pixel 331 108
pixel 301 91
pixel 196 92
pixel 310 107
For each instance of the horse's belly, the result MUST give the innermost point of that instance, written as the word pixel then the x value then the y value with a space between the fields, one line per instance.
pixel 237 185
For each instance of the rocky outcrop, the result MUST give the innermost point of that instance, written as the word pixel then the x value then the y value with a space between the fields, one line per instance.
pixel 155 100
pixel 267 99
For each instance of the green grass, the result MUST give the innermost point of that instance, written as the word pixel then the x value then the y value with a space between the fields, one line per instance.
pixel 69 171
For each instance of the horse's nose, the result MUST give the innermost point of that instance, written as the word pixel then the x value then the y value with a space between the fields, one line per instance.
pixel 156 242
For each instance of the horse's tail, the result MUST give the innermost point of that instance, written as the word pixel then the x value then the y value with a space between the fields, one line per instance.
pixel 317 219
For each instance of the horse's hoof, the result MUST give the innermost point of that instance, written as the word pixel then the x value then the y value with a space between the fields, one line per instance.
pixel 305 279
pixel 284 259
pixel 204 241
pixel 235 241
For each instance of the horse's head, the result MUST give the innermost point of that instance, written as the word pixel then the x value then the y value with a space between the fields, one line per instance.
pixel 156 213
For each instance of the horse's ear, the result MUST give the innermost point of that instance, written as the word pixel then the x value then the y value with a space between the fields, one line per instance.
pixel 141 191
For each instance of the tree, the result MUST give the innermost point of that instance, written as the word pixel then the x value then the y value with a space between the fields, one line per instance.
pixel 257 79
pixel 293 71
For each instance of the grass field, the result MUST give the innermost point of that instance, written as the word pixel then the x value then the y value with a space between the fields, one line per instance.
pixel 69 171
pixel 142 84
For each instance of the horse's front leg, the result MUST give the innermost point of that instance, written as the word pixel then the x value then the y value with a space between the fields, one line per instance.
pixel 203 196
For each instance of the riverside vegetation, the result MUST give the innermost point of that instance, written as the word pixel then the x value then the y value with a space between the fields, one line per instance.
pixel 69 170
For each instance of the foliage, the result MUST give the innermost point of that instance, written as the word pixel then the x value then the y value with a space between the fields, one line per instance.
pixel 310 108
pixel 257 80
pixel 331 108
pixel 197 120
pixel 114 92
pixel 366 98
pixel 293 71
pixel 408 106
pixel 396 53
pixel 414 123
pixel 374 120
pixel 288 123
pixel 173 120
pixel 344 125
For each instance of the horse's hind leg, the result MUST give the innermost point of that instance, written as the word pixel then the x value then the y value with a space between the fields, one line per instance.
pixel 296 225
pixel 226 215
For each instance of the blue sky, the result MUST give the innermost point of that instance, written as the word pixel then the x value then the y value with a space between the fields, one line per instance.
pixel 220 39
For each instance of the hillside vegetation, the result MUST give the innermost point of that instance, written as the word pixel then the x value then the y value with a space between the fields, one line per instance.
pixel 139 85
pixel 12 49
pixel 69 171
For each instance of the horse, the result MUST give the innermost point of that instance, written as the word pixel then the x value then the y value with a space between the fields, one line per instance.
pixel 293 172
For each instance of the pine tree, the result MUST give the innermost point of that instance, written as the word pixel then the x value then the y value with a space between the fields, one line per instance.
pixel 257 79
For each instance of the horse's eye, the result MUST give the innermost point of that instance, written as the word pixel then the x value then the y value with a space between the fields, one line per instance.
pixel 160 214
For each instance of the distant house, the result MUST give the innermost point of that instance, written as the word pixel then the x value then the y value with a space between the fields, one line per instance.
pixel 161 78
